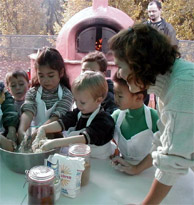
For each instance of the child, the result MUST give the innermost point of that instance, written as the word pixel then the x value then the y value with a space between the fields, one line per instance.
pixel 8 120
pixel 135 123
pixel 147 60
pixel 88 123
pixel 17 84
pixel 96 61
pixel 50 96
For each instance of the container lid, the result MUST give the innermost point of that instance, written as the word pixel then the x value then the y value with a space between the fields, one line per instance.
pixel 79 150
pixel 41 174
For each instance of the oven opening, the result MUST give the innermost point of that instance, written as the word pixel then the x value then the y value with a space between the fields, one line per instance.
pixel 94 38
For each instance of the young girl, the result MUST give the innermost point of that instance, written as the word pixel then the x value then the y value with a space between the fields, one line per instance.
pixel 17 84
pixel 50 96
pixel 135 124
pixel 147 60
pixel 88 123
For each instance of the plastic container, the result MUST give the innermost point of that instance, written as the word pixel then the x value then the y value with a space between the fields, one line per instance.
pixel 41 186
pixel 82 150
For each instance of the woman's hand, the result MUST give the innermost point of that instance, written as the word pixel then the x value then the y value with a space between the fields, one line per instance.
pixel 124 166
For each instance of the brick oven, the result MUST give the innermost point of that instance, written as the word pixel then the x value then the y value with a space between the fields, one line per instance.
pixel 90 30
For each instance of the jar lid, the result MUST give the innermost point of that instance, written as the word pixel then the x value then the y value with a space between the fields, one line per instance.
pixel 79 150
pixel 41 174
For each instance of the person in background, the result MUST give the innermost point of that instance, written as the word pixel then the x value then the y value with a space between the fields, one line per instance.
pixel 155 20
pixel 88 123
pixel 135 124
pixel 50 96
pixel 8 120
pixel 147 60
pixel 17 83
pixel 96 61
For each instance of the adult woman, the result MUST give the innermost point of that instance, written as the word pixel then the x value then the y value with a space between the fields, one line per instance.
pixel 146 60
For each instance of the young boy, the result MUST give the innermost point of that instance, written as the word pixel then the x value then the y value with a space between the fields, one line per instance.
pixel 8 120
pixel 17 84
pixel 88 123
pixel 135 124
pixel 96 61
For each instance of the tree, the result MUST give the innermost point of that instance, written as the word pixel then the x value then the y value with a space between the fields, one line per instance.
pixel 21 17
pixel 54 14
pixel 180 13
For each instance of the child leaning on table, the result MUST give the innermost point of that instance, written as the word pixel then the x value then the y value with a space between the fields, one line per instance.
pixel 88 123
pixel 50 96
pixel 8 120
pixel 17 83
pixel 135 124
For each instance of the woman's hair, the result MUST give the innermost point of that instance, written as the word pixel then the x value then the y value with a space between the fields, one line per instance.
pixel 92 81
pixel 97 57
pixel 52 58
pixel 16 74
pixel 146 51
pixel 122 82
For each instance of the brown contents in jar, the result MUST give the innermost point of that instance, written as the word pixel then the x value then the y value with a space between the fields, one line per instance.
pixel 40 194
pixel 85 175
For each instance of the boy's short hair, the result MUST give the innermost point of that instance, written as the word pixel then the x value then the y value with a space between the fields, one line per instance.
pixel 92 81
pixel 97 57
pixel 15 74
pixel 123 82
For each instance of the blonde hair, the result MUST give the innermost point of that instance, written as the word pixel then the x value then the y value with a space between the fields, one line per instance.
pixel 92 81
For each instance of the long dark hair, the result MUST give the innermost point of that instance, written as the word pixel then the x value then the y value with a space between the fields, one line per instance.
pixel 146 51
pixel 52 58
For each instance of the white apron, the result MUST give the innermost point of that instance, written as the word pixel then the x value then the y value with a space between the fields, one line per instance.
pixel 138 147
pixel 100 152
pixel 43 113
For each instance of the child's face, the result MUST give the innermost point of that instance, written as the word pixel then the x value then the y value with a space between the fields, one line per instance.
pixel 92 66
pixel 18 87
pixel 48 78
pixel 124 99
pixel 85 102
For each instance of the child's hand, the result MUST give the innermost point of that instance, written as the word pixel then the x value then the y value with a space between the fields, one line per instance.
pixel 47 145
pixel 12 133
pixel 6 144
pixel 124 166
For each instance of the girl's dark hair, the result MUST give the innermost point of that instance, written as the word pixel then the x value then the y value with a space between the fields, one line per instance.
pixel 146 51
pixel 52 58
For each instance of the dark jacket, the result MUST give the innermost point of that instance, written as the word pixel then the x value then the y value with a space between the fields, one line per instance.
pixel 108 104
pixel 10 116
pixel 165 28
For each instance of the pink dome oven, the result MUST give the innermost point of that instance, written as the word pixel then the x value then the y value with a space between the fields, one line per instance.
pixel 90 30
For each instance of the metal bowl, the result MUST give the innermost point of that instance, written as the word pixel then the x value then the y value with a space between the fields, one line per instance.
pixel 19 162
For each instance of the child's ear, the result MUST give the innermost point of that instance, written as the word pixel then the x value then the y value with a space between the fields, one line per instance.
pixel 61 73
pixel 99 99
pixel 140 97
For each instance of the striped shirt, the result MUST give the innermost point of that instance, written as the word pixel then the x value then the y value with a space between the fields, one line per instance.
pixel 49 97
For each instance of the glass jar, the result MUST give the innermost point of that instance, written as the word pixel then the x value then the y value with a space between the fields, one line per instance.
pixel 82 150
pixel 41 185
